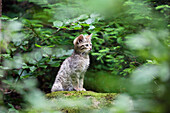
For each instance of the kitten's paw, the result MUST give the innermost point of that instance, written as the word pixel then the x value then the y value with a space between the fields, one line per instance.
pixel 76 89
pixel 82 89
pixel 79 89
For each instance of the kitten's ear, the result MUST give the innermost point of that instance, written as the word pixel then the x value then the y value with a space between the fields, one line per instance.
pixel 78 40
pixel 89 36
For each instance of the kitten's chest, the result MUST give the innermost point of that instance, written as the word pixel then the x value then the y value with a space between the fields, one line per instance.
pixel 80 64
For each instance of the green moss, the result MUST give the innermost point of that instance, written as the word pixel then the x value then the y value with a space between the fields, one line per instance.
pixel 75 102
pixel 70 110
pixel 98 100
pixel 72 94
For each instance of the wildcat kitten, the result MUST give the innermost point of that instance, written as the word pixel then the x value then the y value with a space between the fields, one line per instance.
pixel 71 74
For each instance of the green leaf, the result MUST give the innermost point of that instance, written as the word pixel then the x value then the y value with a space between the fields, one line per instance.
pixel 37 45
pixel 51 46
pixel 77 27
pixel 33 68
pixel 44 60
pixel 91 27
pixel 23 74
pixel 31 61
pixel 55 65
pixel 57 24
pixel 109 56
pixel 109 29
pixel 119 40
pixel 115 60
pixel 38 56
pixel 5 55
pixel 82 17
pixel 104 50
pixel 13 49
pixel 89 21
pixel 83 24
pixel 25 66
pixel 42 65
pixel 4 17
pixel 95 54
pixel 109 60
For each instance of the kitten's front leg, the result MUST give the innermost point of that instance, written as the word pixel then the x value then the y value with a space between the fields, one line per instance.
pixel 75 82
pixel 81 83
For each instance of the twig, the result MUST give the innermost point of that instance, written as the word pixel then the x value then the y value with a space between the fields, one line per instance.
pixel 13 87
pixel 50 36
pixel 32 28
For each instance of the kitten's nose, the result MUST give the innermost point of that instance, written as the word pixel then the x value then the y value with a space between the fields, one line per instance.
pixel 90 48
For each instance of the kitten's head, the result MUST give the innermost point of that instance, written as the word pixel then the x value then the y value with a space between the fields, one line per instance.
pixel 82 44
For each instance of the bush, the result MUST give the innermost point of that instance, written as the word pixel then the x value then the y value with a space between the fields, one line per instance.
pixel 130 40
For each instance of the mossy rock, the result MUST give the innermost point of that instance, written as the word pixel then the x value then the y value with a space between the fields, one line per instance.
pixel 95 100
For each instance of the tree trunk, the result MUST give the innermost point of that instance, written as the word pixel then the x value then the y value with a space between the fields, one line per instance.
pixel 0 15
pixel 0 28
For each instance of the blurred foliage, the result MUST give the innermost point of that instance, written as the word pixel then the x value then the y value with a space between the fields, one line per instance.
pixel 130 49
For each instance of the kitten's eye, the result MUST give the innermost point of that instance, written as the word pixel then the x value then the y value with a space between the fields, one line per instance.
pixel 90 44
pixel 87 45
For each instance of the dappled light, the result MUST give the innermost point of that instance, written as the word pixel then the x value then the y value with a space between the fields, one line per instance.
pixel 129 55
